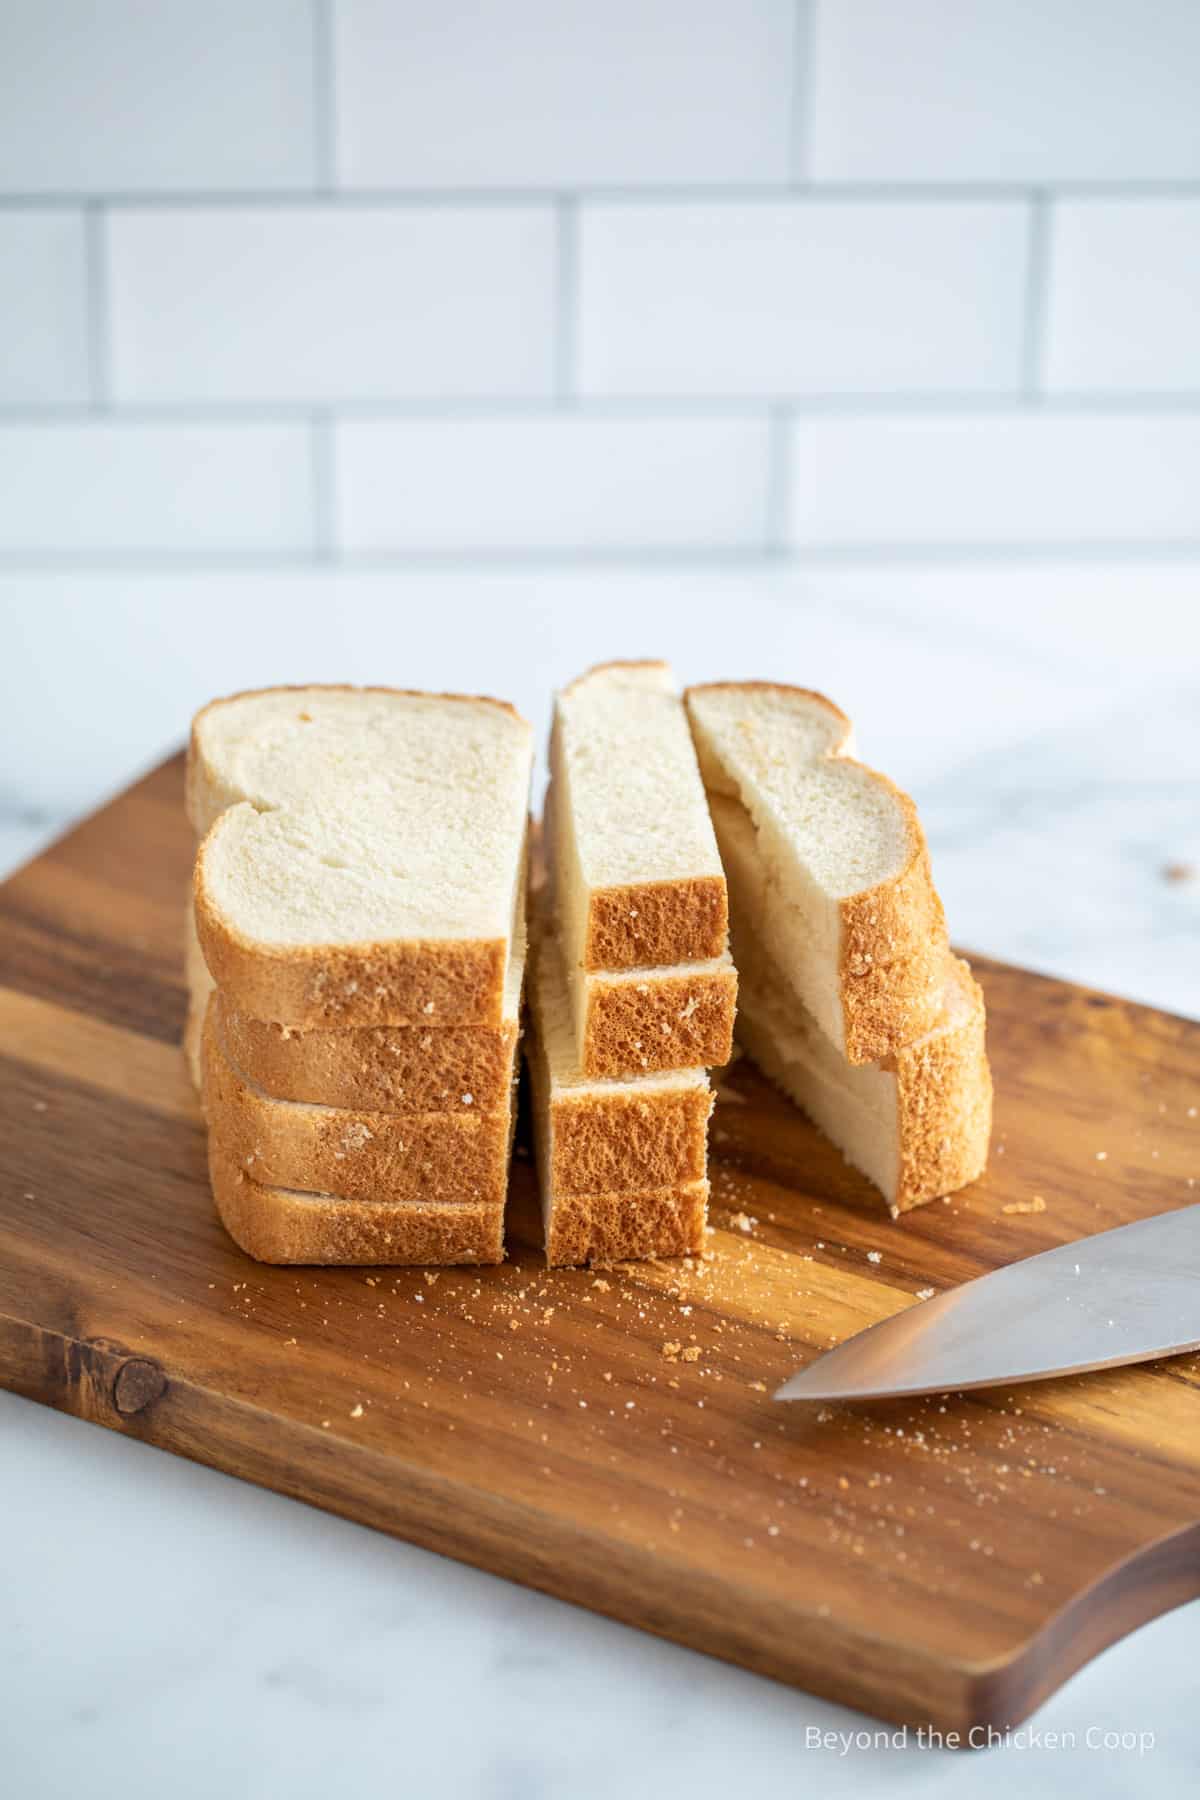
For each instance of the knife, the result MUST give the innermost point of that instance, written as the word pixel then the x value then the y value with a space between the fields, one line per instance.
pixel 1122 1296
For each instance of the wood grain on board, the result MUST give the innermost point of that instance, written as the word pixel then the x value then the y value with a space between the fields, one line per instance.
pixel 609 1435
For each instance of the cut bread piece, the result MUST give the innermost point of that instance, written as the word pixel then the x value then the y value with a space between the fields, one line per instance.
pixel 199 986
pixel 846 904
pixel 916 1124
pixel 635 1021
pixel 636 872
pixel 370 874
pixel 599 1137
pixel 355 1153
pixel 387 1068
pixel 608 1228
pixel 281 1225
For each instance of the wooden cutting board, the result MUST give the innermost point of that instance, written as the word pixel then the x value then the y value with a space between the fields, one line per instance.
pixel 609 1436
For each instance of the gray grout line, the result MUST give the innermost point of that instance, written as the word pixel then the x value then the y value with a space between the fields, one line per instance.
pixel 96 297
pixel 1134 551
pixel 804 90
pixel 1185 403
pixel 324 97
pixel 779 476
pixel 899 191
pixel 566 343
pixel 1037 297
pixel 324 487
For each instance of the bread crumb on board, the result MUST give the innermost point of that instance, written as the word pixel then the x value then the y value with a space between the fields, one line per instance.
pixel 1036 1205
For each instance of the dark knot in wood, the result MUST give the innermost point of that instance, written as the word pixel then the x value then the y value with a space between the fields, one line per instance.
pixel 138 1382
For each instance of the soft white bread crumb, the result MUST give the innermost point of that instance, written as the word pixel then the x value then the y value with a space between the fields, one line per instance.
pixel 363 863
pixel 635 867
pixel 830 861
pixel 917 1124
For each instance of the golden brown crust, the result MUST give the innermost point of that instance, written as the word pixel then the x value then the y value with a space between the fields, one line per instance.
pixel 893 957
pixel 356 1154
pixel 383 1068
pixel 657 1021
pixel 275 1225
pixel 650 923
pixel 593 1141
pixel 943 1095
pixel 893 935
pixel 205 794
pixel 643 925
pixel 944 1090
pixel 416 982
pixel 591 1228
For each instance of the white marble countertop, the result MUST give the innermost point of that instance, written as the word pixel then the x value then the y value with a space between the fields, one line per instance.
pixel 171 1631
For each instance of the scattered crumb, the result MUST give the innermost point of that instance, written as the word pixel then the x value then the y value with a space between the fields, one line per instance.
pixel 1036 1205
pixel 691 1354
pixel 601 1284
pixel 1178 872
pixel 1102 1156
pixel 742 1221
pixel 356 1412
pixel 874 1256
pixel 431 1276
pixel 925 1293
pixel 671 1351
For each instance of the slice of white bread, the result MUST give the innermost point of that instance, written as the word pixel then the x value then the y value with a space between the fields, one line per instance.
pixel 353 1152
pixel 364 854
pixel 390 1068
pixel 635 869
pixel 634 1021
pixel 917 1124
pixel 850 912
pixel 608 1228
pixel 280 1225
pixel 597 1137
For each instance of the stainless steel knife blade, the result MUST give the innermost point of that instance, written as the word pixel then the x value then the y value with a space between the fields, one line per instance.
pixel 1122 1296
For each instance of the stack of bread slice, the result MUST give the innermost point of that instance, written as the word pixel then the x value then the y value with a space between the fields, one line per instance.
pixel 356 969
pixel 632 988
pixel 849 996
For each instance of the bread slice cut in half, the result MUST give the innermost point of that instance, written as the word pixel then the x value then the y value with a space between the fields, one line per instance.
pixel 281 1225
pixel 355 1153
pixel 635 1021
pixel 635 868
pixel 917 1124
pixel 608 1228
pixel 643 1131
pixel 844 903
pixel 364 861
pixel 387 1068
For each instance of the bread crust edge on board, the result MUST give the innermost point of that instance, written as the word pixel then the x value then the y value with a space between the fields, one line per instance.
pixel 893 939
pixel 206 795
pixel 943 1100
pixel 685 919
pixel 278 1225
pixel 608 1228
pixel 309 986
pixel 944 1095
pixel 359 1155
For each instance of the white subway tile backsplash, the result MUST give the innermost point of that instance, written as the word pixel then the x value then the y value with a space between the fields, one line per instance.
pixel 1006 90
pixel 801 297
pixel 552 483
pixel 169 95
pixel 1036 478
pixel 1124 311
pixel 107 488
pixel 320 304
pixel 43 309
pixel 494 93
